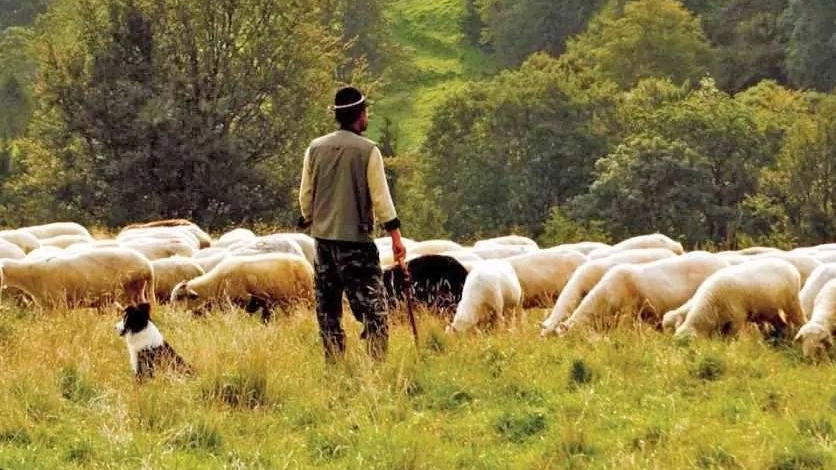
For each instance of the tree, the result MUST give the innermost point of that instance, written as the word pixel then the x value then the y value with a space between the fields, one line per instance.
pixel 195 109
pixel 811 52
pixel 518 28
pixel 653 38
pixel 365 32
pixel 20 12
pixel 504 152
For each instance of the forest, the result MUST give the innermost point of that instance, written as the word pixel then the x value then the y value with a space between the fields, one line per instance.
pixel 713 121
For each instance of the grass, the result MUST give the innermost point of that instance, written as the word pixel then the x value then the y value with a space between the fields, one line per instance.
pixel 438 61
pixel 263 398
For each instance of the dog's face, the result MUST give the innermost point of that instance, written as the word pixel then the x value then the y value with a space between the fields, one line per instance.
pixel 134 319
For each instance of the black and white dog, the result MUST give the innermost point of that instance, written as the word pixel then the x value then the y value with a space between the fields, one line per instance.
pixel 146 345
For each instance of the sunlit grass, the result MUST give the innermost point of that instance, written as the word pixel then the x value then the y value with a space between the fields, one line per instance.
pixel 263 398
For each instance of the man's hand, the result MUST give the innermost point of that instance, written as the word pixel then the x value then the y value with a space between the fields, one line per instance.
pixel 398 249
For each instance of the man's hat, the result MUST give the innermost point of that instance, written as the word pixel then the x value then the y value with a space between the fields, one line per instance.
pixel 348 97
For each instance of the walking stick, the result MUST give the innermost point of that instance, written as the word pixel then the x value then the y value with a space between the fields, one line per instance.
pixel 410 310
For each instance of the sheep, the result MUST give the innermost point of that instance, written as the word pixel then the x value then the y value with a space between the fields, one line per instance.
pixel 544 274
pixel 233 237
pixel 582 247
pixel 93 278
pixel 758 250
pixel 157 248
pixel 25 240
pixel 44 252
pixel 508 240
pixel 810 289
pixel 803 263
pixel 208 262
pixel 463 256
pixel 169 272
pixel 55 229
pixel 757 291
pixel 653 240
pixel 180 234
pixel 817 334
pixel 63 241
pixel 268 244
pixel 204 240
pixel 429 247
pixel 491 292
pixel 263 280
pixel 9 250
pixel 305 242
pixel 437 282
pixel 500 251
pixel 586 277
pixel 643 291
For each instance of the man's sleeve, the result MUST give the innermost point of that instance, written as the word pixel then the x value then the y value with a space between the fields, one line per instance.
pixel 384 208
pixel 306 191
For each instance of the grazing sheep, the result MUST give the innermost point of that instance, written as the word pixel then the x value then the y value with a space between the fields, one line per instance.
pixel 500 251
pixel 157 248
pixel 63 241
pixel 437 282
pixel 653 240
pixel 180 234
pixel 761 291
pixel 544 274
pixel 581 247
pixel 56 229
pixel 429 247
pixel 508 240
pixel 816 335
pixel 204 240
pixel 234 237
pixel 169 272
pixel 10 250
pixel 268 244
pixel 491 292
pixel 24 240
pixel 586 277
pixel 263 280
pixel 758 250
pixel 803 263
pixel 305 242
pixel 208 262
pixel 810 289
pixel 44 252
pixel 643 291
pixel 93 278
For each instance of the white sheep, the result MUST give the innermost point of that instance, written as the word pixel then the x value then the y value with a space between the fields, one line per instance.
pixel 643 291
pixel 543 274
pixel 233 237
pixel 581 247
pixel 25 240
pixel 160 248
pixel 268 244
pixel 182 225
pixel 266 279
pixel 92 278
pixel 181 234
pixel 168 272
pixel 811 287
pixel 491 292
pixel 9 250
pixel 488 251
pixel 63 241
pixel 817 334
pixel 762 291
pixel 586 277
pixel 55 229
pixel 509 240
pixel 653 240
pixel 805 264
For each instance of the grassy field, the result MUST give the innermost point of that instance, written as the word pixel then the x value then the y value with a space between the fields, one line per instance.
pixel 438 61
pixel 263 398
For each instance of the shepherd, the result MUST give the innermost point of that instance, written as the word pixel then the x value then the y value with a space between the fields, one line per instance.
pixel 343 191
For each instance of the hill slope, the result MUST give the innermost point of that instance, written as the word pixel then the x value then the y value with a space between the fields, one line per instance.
pixel 438 61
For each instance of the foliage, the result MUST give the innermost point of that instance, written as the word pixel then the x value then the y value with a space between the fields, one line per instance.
pixel 811 52
pixel 559 229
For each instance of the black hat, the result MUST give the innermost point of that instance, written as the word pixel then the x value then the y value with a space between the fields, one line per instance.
pixel 348 97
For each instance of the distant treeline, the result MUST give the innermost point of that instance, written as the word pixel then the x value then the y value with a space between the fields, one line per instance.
pixel 713 121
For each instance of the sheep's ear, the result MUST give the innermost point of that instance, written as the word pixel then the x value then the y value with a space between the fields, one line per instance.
pixel 192 294
pixel 118 306
pixel 797 337
pixel 828 340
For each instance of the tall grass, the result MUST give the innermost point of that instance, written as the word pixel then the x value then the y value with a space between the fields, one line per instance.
pixel 263 398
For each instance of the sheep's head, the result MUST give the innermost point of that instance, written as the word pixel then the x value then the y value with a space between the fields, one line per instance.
pixel 672 320
pixel 815 339
pixel 184 295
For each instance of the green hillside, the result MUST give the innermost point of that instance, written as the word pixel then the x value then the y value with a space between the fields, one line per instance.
pixel 438 61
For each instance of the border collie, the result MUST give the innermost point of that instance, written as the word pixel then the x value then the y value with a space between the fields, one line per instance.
pixel 146 345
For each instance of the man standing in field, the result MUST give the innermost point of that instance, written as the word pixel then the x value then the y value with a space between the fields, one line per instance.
pixel 343 188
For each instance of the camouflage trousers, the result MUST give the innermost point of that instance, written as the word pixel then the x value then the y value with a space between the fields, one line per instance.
pixel 353 268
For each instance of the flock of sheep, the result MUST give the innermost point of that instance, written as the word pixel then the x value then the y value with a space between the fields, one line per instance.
pixel 587 285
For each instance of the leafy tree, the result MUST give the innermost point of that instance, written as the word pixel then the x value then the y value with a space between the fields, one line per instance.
pixel 518 28
pixel 505 151
pixel 811 52
pixel 653 38
pixel 20 12
pixel 193 109
pixel 365 32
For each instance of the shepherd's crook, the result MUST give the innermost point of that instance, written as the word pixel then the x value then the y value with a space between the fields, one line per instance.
pixel 410 312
